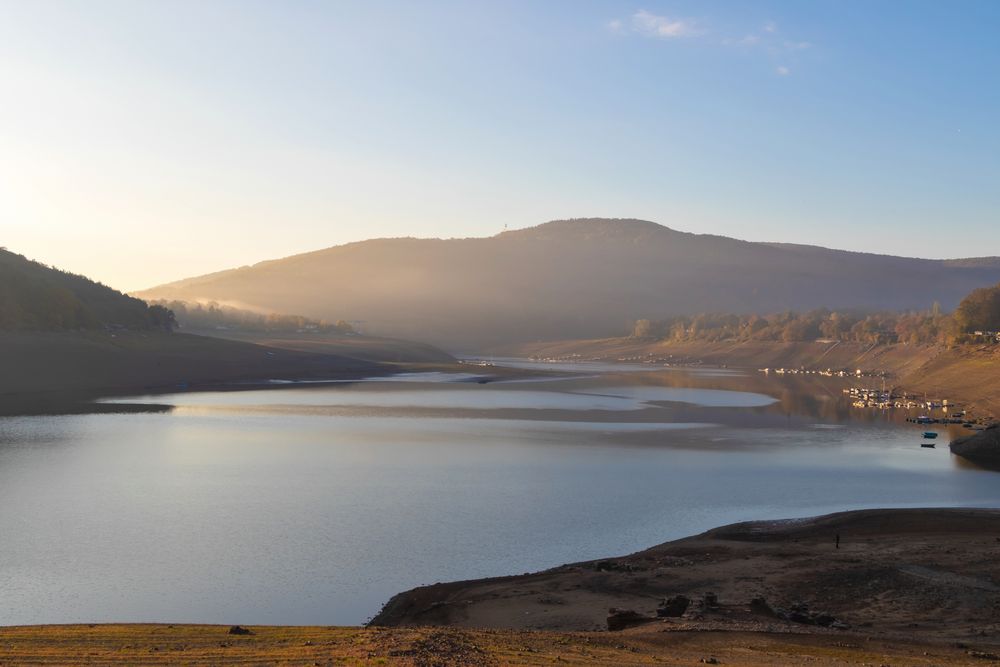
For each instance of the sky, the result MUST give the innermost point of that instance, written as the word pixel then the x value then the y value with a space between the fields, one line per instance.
pixel 145 141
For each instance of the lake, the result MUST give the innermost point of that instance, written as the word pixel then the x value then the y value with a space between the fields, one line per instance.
pixel 315 504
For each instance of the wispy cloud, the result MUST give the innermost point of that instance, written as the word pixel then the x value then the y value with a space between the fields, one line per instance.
pixel 769 39
pixel 745 40
pixel 656 26
pixel 766 38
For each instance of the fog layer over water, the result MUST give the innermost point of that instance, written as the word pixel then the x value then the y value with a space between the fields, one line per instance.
pixel 314 505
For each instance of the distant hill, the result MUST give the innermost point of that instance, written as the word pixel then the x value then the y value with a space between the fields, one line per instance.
pixel 36 297
pixel 574 279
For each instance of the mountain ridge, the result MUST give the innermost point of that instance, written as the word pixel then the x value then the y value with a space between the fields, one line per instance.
pixel 584 277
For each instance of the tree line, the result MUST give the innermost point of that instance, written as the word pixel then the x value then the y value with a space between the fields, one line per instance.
pixel 976 319
pixel 36 297
pixel 217 316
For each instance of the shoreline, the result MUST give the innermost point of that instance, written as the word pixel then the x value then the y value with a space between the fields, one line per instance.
pixel 889 563
pixel 66 373
pixel 55 403
pixel 896 573
pixel 963 374
pixel 908 555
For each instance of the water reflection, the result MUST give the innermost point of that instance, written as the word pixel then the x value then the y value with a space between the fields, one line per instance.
pixel 315 505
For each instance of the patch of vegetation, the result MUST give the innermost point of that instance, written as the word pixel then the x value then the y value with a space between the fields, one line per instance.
pixel 215 316
pixel 976 320
pixel 979 311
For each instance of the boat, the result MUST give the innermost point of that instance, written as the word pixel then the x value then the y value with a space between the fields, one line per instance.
pixel 930 435
pixel 926 444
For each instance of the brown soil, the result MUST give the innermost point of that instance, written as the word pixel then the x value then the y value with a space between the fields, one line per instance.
pixel 908 574
pixel 427 647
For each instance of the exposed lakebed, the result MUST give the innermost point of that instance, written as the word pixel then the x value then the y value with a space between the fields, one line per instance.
pixel 315 504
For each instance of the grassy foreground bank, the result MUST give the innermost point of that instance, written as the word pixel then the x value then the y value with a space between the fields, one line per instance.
pixel 213 645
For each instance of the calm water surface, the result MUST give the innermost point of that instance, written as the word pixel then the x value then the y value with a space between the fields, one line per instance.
pixel 314 505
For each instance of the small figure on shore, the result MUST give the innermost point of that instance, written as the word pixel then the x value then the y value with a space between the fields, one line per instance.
pixel 838 541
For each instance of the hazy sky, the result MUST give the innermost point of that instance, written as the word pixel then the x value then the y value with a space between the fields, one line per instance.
pixel 144 141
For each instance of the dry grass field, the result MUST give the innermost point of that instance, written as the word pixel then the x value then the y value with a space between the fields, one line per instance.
pixel 213 645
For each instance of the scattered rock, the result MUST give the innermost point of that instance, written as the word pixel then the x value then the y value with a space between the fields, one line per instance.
pixel 711 600
pixel 799 613
pixel 551 599
pixel 673 606
pixel 796 617
pixel 619 619
pixel 983 655
pixel 759 605
pixel 239 630
pixel 446 647
pixel 824 620
pixel 612 566
pixel 677 561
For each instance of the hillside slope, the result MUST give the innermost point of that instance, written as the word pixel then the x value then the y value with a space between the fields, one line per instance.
pixel 40 298
pixel 572 279
pixel 65 339
pixel 45 371
pixel 364 348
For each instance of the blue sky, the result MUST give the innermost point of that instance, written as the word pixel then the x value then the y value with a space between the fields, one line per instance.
pixel 144 141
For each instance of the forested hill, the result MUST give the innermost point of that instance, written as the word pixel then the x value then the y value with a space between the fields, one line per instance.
pixel 35 297
pixel 575 279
